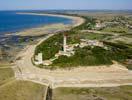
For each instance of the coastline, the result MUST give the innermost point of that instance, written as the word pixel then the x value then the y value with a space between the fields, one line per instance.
pixel 43 31
pixel 46 29
pixel 76 20
pixel 29 49
pixel 79 77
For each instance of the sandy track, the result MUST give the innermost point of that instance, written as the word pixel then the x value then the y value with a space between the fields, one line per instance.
pixel 112 75
pixel 97 76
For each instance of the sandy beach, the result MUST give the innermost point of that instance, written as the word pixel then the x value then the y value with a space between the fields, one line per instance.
pixel 76 21
pixel 46 29
pixel 41 31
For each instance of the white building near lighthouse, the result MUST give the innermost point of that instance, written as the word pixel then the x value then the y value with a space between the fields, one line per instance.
pixel 39 59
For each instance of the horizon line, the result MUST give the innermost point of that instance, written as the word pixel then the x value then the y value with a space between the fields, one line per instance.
pixel 66 9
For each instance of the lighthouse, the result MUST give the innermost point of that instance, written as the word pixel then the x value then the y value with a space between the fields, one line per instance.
pixel 64 42
pixel 68 50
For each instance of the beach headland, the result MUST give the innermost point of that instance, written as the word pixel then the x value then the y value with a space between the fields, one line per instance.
pixel 41 31
pixel 102 76
pixel 76 20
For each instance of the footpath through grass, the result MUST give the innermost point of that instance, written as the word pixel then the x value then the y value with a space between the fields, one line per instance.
pixel 101 93
pixel 22 90
pixel 5 73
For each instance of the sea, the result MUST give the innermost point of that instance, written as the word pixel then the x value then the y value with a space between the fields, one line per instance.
pixel 11 22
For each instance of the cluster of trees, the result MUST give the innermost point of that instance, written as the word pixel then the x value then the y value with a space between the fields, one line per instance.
pixel 122 51
pixel 50 47
pixel 88 56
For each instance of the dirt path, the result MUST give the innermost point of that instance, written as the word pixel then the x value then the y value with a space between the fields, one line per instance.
pixel 96 76
pixel 115 74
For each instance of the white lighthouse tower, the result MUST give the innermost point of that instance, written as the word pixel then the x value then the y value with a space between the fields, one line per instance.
pixel 64 43
pixel 68 50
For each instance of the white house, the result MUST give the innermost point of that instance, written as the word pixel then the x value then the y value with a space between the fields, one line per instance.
pixel 39 59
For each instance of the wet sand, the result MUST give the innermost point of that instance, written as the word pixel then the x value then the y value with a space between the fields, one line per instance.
pixel 43 30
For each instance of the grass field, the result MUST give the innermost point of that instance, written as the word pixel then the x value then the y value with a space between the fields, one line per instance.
pixel 6 73
pixel 116 29
pixel 90 36
pixel 10 89
pixel 21 90
pixel 111 93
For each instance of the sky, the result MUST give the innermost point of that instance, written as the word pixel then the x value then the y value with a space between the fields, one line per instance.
pixel 65 4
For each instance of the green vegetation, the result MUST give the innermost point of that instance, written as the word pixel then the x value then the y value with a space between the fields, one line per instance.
pixel 22 90
pixel 127 35
pixel 75 38
pixel 116 29
pixel 72 37
pixel 129 66
pixel 117 24
pixel 123 52
pixel 5 64
pixel 50 47
pixel 89 56
pixel 5 74
pixel 89 23
pixel 101 93
pixel 95 36
pixel 10 89
pixel 86 56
